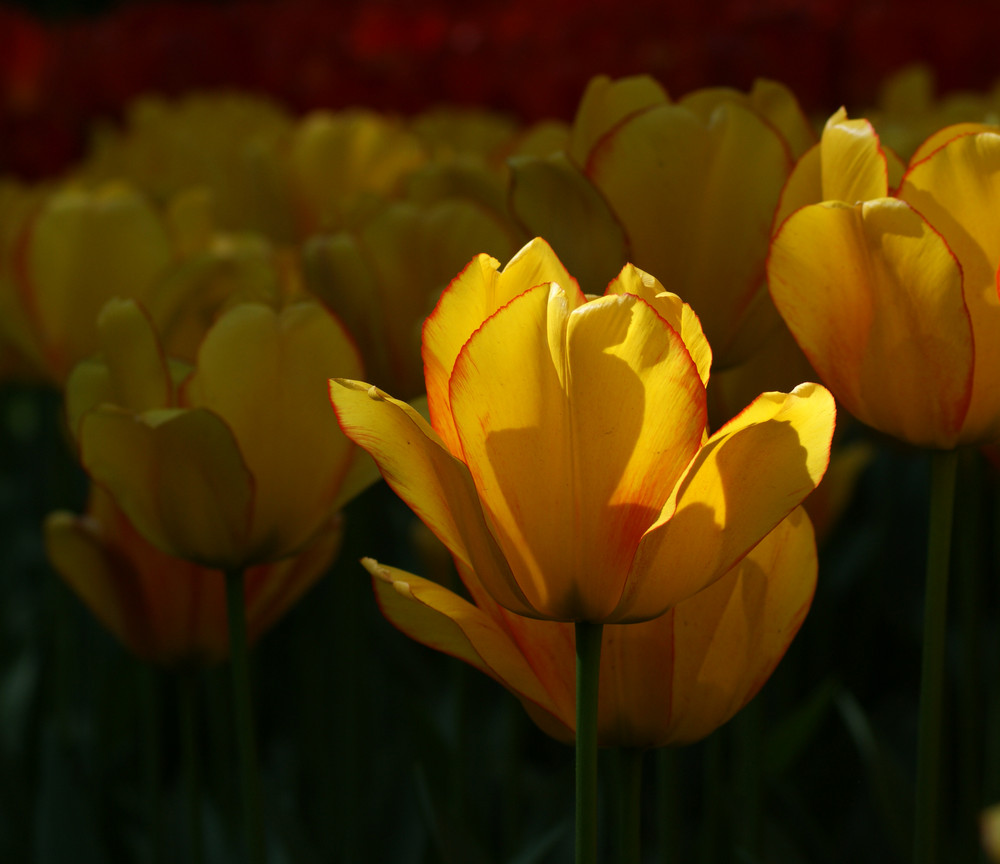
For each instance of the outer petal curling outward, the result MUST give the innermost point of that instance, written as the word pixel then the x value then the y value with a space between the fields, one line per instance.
pixel 749 475
pixel 671 680
pixel 475 294
pixel 437 486
pixel 899 306
pixel 574 462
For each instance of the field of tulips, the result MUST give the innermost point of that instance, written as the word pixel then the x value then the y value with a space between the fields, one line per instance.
pixel 450 437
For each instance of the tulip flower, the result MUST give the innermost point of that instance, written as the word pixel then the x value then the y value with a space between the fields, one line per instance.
pixel 165 609
pixel 668 681
pixel 699 220
pixel 891 292
pixel 989 826
pixel 230 463
pixel 568 462
pixel 80 249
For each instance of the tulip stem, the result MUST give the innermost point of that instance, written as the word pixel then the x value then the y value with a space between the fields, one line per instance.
pixel 630 805
pixel 928 811
pixel 188 716
pixel 239 663
pixel 588 673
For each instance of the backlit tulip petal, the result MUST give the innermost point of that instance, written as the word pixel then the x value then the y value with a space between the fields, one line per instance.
pixel 749 475
pixel 898 306
pixel 671 680
pixel 957 189
pixel 719 668
pixel 572 465
pixel 178 475
pixel 671 309
pixel 419 468
pixel 440 619
pixel 475 294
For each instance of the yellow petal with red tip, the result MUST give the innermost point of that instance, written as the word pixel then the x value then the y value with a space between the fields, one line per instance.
pixel 440 619
pixel 699 220
pixel 437 487
pixel 673 310
pixel 873 296
pixel 936 141
pixel 475 294
pixel 729 638
pixel 575 425
pixel 853 164
pixel 957 189
pixel 265 374
pixel 178 475
pixel 749 475
pixel 606 103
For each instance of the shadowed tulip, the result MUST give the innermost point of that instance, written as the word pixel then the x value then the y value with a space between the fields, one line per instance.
pixel 568 461
pixel 229 463
pixel 165 609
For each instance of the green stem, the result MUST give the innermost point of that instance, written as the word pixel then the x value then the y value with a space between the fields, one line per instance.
pixel 630 805
pixel 588 673
pixel 239 662
pixel 152 760
pixel 928 804
pixel 712 827
pixel 187 704
pixel 668 803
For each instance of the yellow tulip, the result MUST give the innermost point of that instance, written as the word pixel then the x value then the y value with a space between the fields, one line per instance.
pixel 684 190
pixel 890 287
pixel 233 462
pixel 165 609
pixel 668 681
pixel 568 463
pixel 78 251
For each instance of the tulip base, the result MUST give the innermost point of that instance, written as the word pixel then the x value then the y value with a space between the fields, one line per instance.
pixel 588 673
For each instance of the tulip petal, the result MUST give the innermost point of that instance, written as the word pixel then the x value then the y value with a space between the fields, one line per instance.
pixel 680 213
pixel 475 294
pixel 957 189
pixel 749 475
pixel 575 426
pixel 853 164
pixel 179 477
pixel 673 310
pixel 873 296
pixel 265 374
pixel 83 249
pixel 436 486
pixel 605 103
pixel 553 199
pixel 440 619
pixel 74 549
